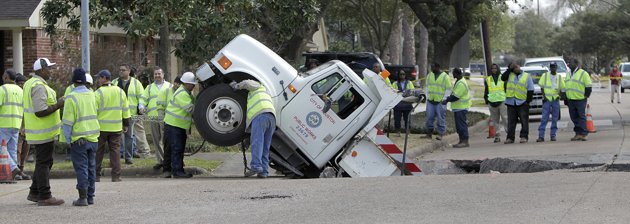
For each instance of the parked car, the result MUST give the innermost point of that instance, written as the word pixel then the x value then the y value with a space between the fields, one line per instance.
pixel 624 68
pixel 544 62
pixel 535 107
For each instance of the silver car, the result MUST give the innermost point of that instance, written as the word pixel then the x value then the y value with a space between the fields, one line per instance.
pixel 624 68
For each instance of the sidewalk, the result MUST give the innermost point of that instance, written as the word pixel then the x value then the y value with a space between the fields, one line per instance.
pixel 607 146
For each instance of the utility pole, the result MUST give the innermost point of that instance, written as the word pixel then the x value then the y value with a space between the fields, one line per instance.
pixel 538 5
pixel 485 42
pixel 85 34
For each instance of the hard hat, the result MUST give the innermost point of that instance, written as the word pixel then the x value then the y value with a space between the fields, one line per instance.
pixel 89 79
pixel 189 77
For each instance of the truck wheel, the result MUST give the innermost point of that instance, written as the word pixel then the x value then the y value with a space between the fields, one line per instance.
pixel 219 115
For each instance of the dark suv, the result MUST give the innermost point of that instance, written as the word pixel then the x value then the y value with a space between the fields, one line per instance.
pixel 356 61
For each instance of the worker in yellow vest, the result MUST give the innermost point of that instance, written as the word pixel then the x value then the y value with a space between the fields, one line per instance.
pixel 402 109
pixel 178 120
pixel 438 88
pixel 81 130
pixel 578 87
pixel 165 98
pixel 22 145
pixel 261 122
pixel 494 96
pixel 134 90
pixel 519 93
pixel 151 105
pixel 460 103
pixel 553 90
pixel 11 114
pixel 42 125
pixel 113 117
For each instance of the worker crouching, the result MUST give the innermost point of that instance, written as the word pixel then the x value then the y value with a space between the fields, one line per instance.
pixel 81 129
pixel 178 119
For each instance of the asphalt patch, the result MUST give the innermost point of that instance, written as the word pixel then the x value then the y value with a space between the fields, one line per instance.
pixel 272 196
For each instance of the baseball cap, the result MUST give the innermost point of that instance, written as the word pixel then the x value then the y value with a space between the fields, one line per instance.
pixel 105 73
pixel 78 76
pixel 42 63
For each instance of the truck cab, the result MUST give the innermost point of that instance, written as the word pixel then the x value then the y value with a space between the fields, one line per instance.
pixel 320 113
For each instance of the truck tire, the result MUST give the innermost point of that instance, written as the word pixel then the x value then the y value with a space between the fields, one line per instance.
pixel 220 114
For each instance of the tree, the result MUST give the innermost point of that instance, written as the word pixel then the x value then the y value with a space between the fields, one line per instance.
pixel 204 26
pixel 447 21
pixel 501 33
pixel 533 35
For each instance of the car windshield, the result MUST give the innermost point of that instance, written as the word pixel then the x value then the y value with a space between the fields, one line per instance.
pixel 535 74
pixel 562 67
pixel 625 68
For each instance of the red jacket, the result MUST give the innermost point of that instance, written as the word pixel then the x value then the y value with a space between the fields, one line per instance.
pixel 615 77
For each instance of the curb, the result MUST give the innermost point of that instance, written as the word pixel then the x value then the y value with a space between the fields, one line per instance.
pixel 446 141
pixel 129 172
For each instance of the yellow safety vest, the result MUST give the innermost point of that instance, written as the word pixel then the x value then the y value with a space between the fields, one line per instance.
pixel 40 130
pixel 545 82
pixel 151 98
pixel 79 111
pixel 461 91
pixel 258 101
pixel 518 90
pixel 437 88
pixel 179 109
pixel 496 92
pixel 134 94
pixel 112 108
pixel 576 84
pixel 409 85
pixel 11 106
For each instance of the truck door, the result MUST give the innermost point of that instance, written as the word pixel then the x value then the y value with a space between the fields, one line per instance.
pixel 307 124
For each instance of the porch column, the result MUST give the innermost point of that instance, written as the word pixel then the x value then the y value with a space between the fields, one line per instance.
pixel 18 62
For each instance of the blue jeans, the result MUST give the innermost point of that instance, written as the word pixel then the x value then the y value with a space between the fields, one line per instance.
pixel 461 125
pixel 176 139
pixel 577 111
pixel 398 116
pixel 553 108
pixel 438 111
pixel 84 163
pixel 263 127
pixel 10 135
pixel 127 148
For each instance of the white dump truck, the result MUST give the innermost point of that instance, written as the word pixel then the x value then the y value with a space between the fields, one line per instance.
pixel 325 117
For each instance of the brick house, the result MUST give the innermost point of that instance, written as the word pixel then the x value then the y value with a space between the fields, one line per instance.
pixel 23 40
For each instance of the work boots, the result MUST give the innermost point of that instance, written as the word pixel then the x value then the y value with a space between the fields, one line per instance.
pixel 439 137
pixel 462 144
pixel 428 135
pixel 82 201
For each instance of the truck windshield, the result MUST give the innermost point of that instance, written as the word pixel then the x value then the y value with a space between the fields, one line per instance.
pixel 317 69
pixel 535 74
pixel 562 67
pixel 625 68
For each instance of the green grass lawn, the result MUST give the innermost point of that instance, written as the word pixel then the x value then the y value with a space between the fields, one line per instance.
pixel 477 91
pixel 208 165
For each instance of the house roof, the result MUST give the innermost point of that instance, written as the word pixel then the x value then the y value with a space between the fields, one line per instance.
pixel 17 9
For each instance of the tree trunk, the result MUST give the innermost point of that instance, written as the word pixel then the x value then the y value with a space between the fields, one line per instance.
pixel 164 49
pixel 409 43
pixel 442 54
pixel 395 39
pixel 423 51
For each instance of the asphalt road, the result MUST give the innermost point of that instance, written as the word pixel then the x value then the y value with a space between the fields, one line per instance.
pixel 499 198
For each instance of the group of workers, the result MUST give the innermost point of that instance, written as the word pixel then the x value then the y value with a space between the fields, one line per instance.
pixel 91 119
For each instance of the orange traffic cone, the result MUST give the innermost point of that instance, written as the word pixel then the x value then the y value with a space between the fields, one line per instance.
pixel 6 176
pixel 590 126
pixel 491 131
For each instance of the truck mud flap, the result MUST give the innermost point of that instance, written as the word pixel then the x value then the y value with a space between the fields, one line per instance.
pixel 279 161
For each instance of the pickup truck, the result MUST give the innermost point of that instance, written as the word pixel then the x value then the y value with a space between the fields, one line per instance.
pixel 325 117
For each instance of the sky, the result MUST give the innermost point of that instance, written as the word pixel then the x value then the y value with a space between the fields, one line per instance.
pixel 532 4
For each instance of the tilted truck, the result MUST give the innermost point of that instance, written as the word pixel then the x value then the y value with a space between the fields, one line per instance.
pixel 325 117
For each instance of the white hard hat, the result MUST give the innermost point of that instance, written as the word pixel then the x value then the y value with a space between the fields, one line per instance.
pixel 88 78
pixel 189 77
pixel 42 63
